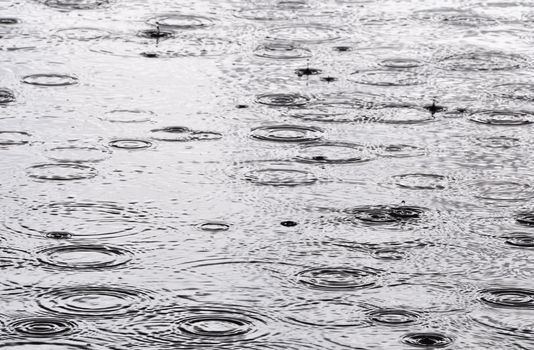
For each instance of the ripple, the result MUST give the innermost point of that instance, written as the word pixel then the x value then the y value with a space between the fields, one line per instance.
pixel 281 177
pixel 391 77
pixel 338 278
pixel 517 298
pixel 43 327
pixel 45 345
pixel 498 141
pixel 519 239
pixel 421 181
pixel 328 313
pixel 481 61
pixel 82 33
pixel 14 138
pixel 517 91
pixel 282 100
pixel 504 118
pixel 394 317
pixel 386 214
pixel 333 153
pixel 61 172
pixel 62 220
pixel 502 190
pixel 9 20
pixel 287 133
pixel 6 96
pixel 82 257
pixel 401 63
pixel 77 154
pixel 456 17
pixel 93 301
pixel 427 340
pixel 76 4
pixel 50 79
pixel 130 144
pixel 305 33
pixel 183 134
pixel 128 116
pixel 401 151
pixel 214 226
pixel 179 21
pixel 10 257
pixel 282 51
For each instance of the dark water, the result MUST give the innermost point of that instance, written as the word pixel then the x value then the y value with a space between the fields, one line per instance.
pixel 242 174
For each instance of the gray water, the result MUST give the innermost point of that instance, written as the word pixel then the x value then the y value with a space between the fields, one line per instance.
pixel 243 174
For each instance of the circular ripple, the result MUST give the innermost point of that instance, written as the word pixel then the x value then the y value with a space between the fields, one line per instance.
pixel 92 301
pixel 502 190
pixel 282 100
pixel 338 278
pixel 519 239
pixel 427 340
pixel 6 96
pixel 12 138
pixel 420 181
pixel 61 172
pixel 82 33
pixel 386 78
pixel 10 257
pixel 498 141
pixel 508 297
pixel 77 154
pixel 401 63
pixel 505 118
pixel 333 153
pixel 63 220
pixel 84 257
pixel 183 134
pixel 394 317
pixel 214 226
pixel 280 177
pixel 43 327
pixel 45 345
pixel 50 80
pixel 525 218
pixel 128 116
pixel 401 151
pixel 178 21
pixel 282 51
pixel 517 91
pixel 76 4
pixel 130 144
pixel 386 214
pixel 481 61
pixel 287 133
pixel 305 33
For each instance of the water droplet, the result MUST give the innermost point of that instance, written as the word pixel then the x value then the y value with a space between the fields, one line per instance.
pixel 50 80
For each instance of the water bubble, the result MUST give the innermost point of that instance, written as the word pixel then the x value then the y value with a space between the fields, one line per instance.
pixel 481 61
pixel 282 100
pixel 82 33
pixel 287 133
pixel 281 177
pixel 519 239
pixel 179 21
pixel 305 33
pixel 386 78
pixel 505 118
pixel 282 51
pixel 93 301
pixel 394 317
pixel 333 153
pixel 427 340
pixel 76 4
pixel 50 80
pixel 83 257
pixel 77 154
pixel 128 116
pixel 61 172
pixel 43 327
pixel 519 298
pixel 6 96
pixel 214 226
pixel 338 278
pixel 421 181
pixel 14 138
pixel 130 144
pixel 385 214
pixel 183 134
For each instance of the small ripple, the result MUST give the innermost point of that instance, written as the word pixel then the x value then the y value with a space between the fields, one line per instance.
pixel 427 340
pixel 454 17
pixel 9 21
pixel 93 301
pixel 50 79
pixel 305 33
pixel 183 134
pixel 128 116
pixel 180 21
pixel 519 239
pixel 401 151
pixel 481 61
pixel 287 133
pixel 281 177
pixel 498 142
pixel 77 154
pixel 43 327
pixel 386 214
pixel 516 298
pixel 10 257
pixel 401 63
pixel 333 153
pixel 155 34
pixel 504 118
pixel 392 77
pixel 68 5
pixel 394 317
pixel 84 257
pixel 46 345
pixel 516 91
pixel 282 51
pixel 282 100
pixel 397 115
pixel 61 172
pixel 6 96
pixel 525 218
pixel 421 181
pixel 213 226
pixel 130 144
pixel 502 190
pixel 14 138
pixel 82 33
pixel 338 278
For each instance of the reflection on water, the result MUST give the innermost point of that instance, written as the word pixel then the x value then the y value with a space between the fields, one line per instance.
pixel 279 174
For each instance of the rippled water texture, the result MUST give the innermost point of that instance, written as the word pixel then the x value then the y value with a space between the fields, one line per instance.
pixel 266 175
